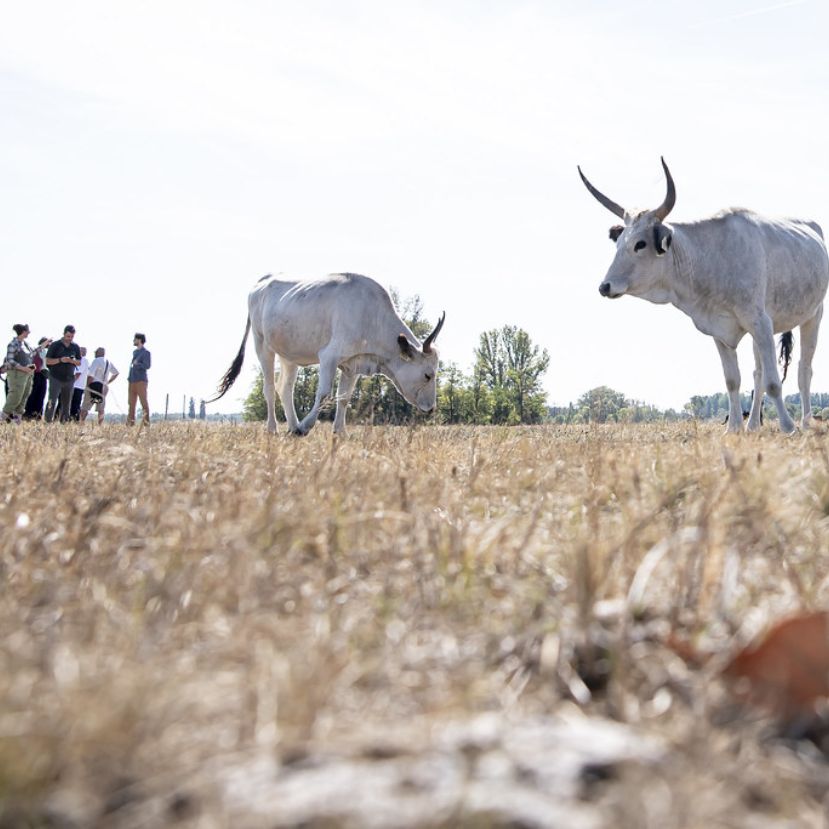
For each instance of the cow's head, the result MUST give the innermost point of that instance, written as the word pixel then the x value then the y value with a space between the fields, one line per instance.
pixel 414 369
pixel 640 264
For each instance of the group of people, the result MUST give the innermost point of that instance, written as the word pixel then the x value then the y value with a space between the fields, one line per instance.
pixel 75 386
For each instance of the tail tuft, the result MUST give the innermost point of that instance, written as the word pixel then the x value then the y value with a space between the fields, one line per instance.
pixel 786 346
pixel 233 372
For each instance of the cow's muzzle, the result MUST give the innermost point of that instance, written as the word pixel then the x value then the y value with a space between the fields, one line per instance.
pixel 605 289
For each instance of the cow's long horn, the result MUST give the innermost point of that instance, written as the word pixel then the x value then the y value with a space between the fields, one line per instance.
pixel 427 343
pixel 602 198
pixel 667 206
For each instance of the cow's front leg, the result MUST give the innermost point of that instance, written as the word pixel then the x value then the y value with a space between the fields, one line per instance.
pixel 348 379
pixel 764 338
pixel 757 397
pixel 328 368
pixel 731 370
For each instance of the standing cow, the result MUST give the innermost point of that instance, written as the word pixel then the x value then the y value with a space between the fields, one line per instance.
pixel 344 321
pixel 733 273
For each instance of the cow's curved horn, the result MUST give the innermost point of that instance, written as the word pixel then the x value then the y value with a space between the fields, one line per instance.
pixel 602 198
pixel 427 343
pixel 667 206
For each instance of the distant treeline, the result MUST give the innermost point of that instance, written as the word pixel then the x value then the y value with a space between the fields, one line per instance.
pixel 715 406
pixel 605 405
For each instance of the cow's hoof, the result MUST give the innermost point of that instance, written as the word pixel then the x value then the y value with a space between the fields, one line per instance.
pixel 299 432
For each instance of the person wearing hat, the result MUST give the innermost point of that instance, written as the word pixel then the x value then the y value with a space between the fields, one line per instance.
pixel 19 371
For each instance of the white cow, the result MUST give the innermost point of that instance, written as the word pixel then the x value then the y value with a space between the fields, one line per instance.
pixel 344 321
pixel 733 273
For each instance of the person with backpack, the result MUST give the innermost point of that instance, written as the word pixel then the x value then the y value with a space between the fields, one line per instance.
pixel 101 374
pixel 19 371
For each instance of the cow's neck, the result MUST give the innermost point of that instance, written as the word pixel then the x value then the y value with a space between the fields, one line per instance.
pixel 364 364
pixel 682 273
pixel 678 286
pixel 692 290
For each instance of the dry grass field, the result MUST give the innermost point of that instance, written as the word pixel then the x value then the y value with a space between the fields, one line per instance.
pixel 204 626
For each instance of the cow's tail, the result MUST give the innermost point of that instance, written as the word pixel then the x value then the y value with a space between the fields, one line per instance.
pixel 235 367
pixel 786 345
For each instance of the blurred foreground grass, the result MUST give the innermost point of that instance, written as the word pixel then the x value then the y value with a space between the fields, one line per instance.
pixel 179 600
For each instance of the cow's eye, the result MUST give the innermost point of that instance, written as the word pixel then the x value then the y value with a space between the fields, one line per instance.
pixel 428 376
pixel 640 245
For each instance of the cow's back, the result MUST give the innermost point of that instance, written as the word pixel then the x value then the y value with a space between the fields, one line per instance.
pixel 743 258
pixel 299 318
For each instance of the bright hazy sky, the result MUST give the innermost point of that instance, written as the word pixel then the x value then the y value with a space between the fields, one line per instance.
pixel 156 158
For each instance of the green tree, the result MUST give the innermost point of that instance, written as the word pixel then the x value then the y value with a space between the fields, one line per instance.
pixel 254 407
pixel 458 399
pixel 601 405
pixel 510 366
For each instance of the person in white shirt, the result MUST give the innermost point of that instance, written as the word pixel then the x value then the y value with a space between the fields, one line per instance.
pixel 80 384
pixel 101 373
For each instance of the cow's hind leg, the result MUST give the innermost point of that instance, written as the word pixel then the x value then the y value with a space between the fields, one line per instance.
pixel 266 360
pixel 757 398
pixel 731 370
pixel 764 339
pixel 808 344
pixel 328 369
pixel 287 380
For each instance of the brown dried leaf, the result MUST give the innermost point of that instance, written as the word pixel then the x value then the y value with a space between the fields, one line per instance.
pixel 786 671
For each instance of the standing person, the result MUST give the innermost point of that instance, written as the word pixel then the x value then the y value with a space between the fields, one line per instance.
pixel 79 388
pixel 101 374
pixel 137 380
pixel 40 382
pixel 19 371
pixel 61 359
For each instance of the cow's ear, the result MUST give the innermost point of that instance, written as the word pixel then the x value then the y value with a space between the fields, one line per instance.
pixel 616 231
pixel 662 237
pixel 406 350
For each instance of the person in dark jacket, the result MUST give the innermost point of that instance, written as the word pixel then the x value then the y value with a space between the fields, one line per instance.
pixel 137 380
pixel 61 359
pixel 40 382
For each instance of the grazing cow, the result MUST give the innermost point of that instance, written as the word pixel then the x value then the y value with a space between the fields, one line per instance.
pixel 344 321
pixel 733 273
